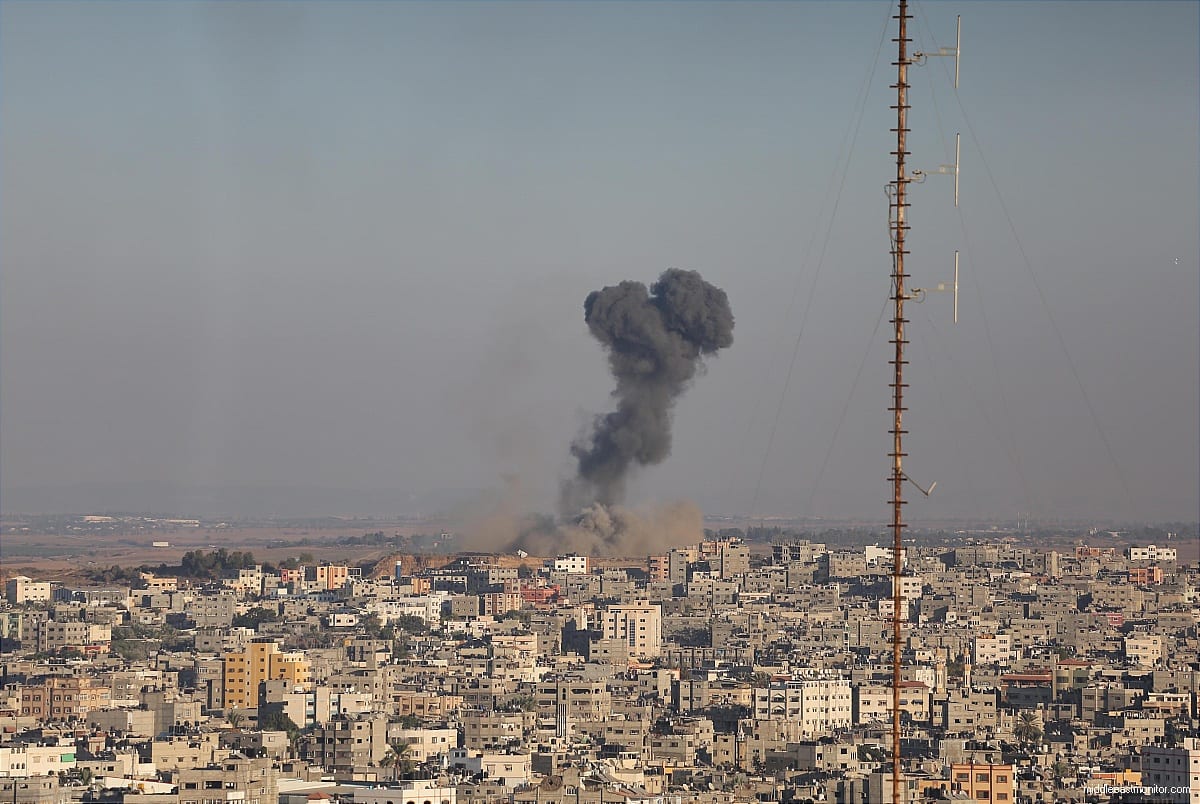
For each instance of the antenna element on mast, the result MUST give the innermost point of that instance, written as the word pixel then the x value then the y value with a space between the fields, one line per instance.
pixel 956 52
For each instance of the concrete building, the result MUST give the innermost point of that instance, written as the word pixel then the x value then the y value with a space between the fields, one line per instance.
pixel 36 759
pixel 983 782
pixel 638 625
pixel 1174 770
pixel 728 559
pixel 347 743
pixel 418 791
pixel 819 704
pixel 491 731
pixel 326 577
pixel 37 790
pixel 234 779
pixel 1145 650
pixel 22 590
pixel 51 636
pixel 1151 553
pixel 262 660
pixel 992 649
pixel 61 698
pixel 424 744
pixel 177 752
pixel 572 563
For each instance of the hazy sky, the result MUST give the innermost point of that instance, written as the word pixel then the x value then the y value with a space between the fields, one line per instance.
pixel 335 254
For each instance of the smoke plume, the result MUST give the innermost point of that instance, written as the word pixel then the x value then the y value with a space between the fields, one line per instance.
pixel 656 341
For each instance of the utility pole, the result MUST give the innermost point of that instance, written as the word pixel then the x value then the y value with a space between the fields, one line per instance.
pixel 898 225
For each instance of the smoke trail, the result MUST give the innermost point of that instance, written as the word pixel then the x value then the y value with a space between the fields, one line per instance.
pixel 655 342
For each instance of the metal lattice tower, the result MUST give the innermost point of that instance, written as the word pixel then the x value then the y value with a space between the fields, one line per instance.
pixel 898 227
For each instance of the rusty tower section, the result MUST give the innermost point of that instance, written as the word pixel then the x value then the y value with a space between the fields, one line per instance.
pixel 898 227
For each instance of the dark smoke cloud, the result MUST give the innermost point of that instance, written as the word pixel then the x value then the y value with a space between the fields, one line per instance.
pixel 655 340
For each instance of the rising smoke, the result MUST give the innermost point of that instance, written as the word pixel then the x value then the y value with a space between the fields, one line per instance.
pixel 656 341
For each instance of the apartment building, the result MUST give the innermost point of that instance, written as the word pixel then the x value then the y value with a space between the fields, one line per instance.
pixel 993 783
pixel 490 731
pixel 22 590
pixel 817 704
pixel 1145 650
pixel 1173 770
pixel 495 604
pixel 572 563
pixel 234 779
pixel 346 742
pixel 36 759
pixel 1151 553
pixel 195 750
pixel 426 705
pixel 326 577
pixel 262 660
pixel 417 791
pixel 567 701
pixel 60 698
pixel 992 649
pixel 37 790
pixel 1146 576
pixel 423 744
pixel 638 625
pixel 51 636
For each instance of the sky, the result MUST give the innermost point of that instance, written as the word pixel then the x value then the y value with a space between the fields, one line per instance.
pixel 330 258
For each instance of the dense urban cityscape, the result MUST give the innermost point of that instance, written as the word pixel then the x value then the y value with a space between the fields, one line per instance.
pixel 730 670
pixel 375 430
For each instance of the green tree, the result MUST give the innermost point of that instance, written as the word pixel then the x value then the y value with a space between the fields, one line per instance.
pixel 372 626
pixel 1028 728
pixel 411 623
pixel 760 679
pixel 255 616
pixel 275 719
pixel 399 759
pixel 522 703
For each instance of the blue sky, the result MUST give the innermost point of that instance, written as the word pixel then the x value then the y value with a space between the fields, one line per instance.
pixel 346 245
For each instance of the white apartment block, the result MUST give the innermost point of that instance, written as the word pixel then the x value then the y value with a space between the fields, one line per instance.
pixel 36 760
pixel 910 587
pixel 572 563
pixel 819 705
pixel 876 555
pixel 1144 650
pixel 23 589
pixel 427 607
pixel 1152 553
pixel 992 649
pixel 638 625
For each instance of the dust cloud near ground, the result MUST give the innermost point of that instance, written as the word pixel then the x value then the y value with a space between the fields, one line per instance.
pixel 598 530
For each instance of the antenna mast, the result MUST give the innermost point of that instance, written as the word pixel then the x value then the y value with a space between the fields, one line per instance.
pixel 898 226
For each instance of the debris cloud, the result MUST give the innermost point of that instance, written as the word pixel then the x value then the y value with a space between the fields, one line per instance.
pixel 656 340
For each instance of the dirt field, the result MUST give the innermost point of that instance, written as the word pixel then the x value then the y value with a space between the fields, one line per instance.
pixel 54 555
